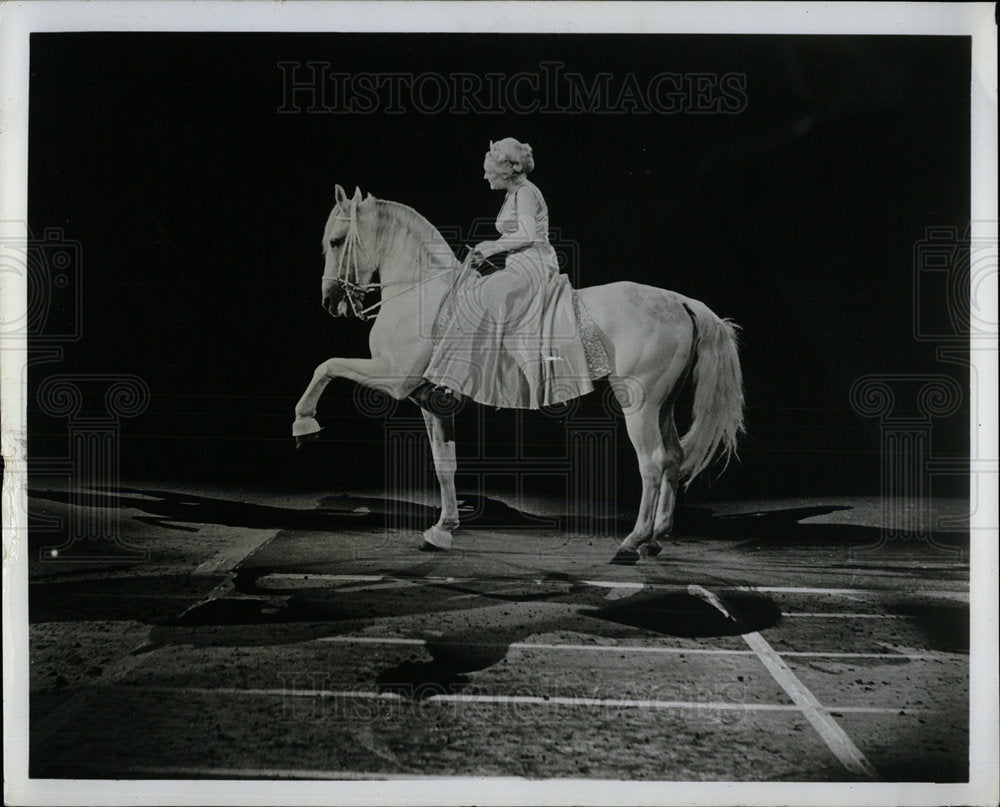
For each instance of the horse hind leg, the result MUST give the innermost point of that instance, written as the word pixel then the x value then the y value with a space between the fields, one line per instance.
pixel 644 432
pixel 666 504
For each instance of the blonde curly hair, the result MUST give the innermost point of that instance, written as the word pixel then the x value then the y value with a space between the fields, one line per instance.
pixel 512 157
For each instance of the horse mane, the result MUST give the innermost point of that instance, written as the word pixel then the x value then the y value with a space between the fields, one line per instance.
pixel 415 222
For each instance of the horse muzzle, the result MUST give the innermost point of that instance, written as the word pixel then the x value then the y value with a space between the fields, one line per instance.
pixel 335 299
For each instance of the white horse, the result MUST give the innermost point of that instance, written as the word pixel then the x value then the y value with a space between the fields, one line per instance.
pixel 656 340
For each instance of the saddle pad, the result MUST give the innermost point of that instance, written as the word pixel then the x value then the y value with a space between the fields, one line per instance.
pixel 598 361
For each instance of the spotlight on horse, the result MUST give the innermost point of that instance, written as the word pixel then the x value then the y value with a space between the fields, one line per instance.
pixel 661 341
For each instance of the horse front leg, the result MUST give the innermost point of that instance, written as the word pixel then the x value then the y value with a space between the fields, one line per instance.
pixel 378 373
pixel 441 431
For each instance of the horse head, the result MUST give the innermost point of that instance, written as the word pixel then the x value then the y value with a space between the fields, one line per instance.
pixel 349 251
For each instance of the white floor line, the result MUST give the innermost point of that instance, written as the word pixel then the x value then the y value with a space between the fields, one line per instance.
pixel 233 555
pixel 846 592
pixel 519 700
pixel 907 656
pixel 337 578
pixel 280 577
pixel 844 615
pixel 161 771
pixel 606 648
pixel 224 562
pixel 833 735
pixel 380 586
pixel 129 596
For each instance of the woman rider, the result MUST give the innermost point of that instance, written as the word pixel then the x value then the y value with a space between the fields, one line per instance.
pixel 510 339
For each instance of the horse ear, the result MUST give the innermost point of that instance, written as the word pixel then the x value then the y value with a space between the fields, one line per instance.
pixel 339 195
pixel 357 194
pixel 369 198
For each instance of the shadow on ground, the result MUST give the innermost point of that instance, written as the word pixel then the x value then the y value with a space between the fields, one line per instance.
pixel 257 615
pixel 781 527
pixel 324 611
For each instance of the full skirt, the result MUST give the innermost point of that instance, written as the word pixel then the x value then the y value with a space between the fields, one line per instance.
pixel 511 339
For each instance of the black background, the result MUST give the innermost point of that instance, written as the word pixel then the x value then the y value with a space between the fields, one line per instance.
pixel 199 209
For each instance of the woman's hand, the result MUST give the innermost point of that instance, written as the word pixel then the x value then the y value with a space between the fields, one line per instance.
pixel 485 248
pixel 482 251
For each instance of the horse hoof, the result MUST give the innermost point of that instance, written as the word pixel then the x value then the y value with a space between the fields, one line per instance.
pixel 305 439
pixel 650 550
pixel 304 429
pixel 625 557
pixel 436 538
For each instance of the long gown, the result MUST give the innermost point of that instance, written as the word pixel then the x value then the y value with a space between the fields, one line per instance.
pixel 511 339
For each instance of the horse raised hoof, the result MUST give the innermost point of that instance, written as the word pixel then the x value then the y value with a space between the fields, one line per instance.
pixel 305 439
pixel 625 557
pixel 305 430
pixel 436 540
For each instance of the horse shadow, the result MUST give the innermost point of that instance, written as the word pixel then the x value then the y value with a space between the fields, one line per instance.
pixel 177 510
pixel 485 631
pixel 259 614
pixel 789 527
pixel 294 615
pixel 185 511
pixel 457 655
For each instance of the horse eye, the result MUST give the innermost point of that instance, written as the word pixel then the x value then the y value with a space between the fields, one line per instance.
pixel 336 242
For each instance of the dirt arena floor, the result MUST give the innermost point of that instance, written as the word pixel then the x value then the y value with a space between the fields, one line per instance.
pixel 267 635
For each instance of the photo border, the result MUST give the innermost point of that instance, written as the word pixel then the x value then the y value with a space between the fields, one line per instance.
pixel 18 21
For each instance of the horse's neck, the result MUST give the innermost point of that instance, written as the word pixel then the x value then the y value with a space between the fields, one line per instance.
pixel 410 247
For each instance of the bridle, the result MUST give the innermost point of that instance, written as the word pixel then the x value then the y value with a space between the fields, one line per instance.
pixel 349 278
pixel 348 275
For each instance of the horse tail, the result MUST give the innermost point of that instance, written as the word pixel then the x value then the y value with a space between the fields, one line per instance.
pixel 718 392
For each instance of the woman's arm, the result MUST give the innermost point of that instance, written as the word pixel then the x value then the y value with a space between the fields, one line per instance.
pixel 525 234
